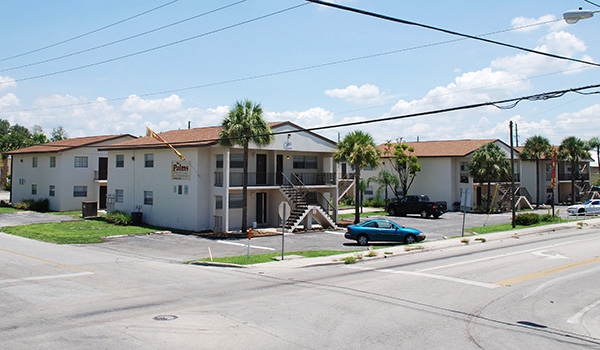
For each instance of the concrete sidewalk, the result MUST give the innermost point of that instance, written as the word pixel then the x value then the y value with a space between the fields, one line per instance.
pixel 453 243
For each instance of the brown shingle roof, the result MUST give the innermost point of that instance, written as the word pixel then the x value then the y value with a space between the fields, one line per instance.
pixel 446 148
pixel 66 144
pixel 196 137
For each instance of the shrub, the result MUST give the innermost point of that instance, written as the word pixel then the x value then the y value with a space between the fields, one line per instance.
pixel 527 219
pixel 40 205
pixel 375 203
pixel 547 218
pixel 119 218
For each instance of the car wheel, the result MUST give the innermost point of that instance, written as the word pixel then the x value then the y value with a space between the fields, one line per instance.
pixel 362 240
pixel 436 215
pixel 402 213
pixel 392 212
pixel 424 213
pixel 581 211
pixel 409 239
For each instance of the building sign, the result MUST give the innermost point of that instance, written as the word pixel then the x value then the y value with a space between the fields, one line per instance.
pixel 181 170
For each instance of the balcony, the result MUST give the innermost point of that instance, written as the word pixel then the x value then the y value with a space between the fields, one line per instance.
pixel 100 175
pixel 276 179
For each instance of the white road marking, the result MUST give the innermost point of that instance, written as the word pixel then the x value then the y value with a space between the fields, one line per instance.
pixel 439 277
pixel 245 245
pixel 336 232
pixel 548 256
pixel 47 277
pixel 507 254
pixel 577 317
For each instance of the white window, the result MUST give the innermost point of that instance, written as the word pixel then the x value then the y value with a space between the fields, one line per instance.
pixel 34 189
pixel 219 159
pixel 34 162
pixel 119 196
pixel 79 191
pixel 53 162
pixel 149 160
pixel 218 202
pixel 52 191
pixel 120 163
pixel 305 162
pixel 236 161
pixel 236 201
pixel 81 162
pixel 148 197
pixel 21 181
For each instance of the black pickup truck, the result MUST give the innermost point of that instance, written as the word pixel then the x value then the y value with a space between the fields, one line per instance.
pixel 417 204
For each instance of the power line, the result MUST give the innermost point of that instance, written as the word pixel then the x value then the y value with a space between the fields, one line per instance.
pixel 393 19
pixel 156 47
pixel 122 40
pixel 88 33
pixel 513 102
pixel 293 70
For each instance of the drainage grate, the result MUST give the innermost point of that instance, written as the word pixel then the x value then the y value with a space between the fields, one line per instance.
pixel 165 317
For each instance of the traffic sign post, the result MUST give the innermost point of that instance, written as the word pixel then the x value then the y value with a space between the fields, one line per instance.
pixel 284 213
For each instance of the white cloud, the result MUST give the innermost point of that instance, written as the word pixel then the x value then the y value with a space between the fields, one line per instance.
pixel 8 100
pixel 7 83
pixel 559 43
pixel 367 93
pixel 135 103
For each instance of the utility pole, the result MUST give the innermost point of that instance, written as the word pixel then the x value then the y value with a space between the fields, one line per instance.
pixel 512 175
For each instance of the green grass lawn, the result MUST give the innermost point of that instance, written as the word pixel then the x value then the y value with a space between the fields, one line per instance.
pixel 7 210
pixel 269 257
pixel 74 232
pixel 363 214
pixel 508 226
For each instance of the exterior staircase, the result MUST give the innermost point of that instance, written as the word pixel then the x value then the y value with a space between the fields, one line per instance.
pixel 303 203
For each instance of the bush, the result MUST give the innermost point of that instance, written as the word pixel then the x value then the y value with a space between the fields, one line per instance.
pixel 547 218
pixel 40 205
pixel 119 218
pixel 527 219
pixel 375 203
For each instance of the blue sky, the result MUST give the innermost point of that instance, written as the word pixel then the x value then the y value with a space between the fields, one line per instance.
pixel 312 65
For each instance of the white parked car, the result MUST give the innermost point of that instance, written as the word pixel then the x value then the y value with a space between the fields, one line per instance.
pixel 591 207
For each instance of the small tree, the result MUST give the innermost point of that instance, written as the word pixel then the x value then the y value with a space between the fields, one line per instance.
pixel 359 150
pixel 245 124
pixel 489 164
pixel 536 148
pixel 405 163
pixel 58 134
pixel 573 150
pixel 386 180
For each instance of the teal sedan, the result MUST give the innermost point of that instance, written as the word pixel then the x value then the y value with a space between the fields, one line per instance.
pixel 382 230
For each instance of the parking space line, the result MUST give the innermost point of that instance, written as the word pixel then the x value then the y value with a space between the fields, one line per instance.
pixel 245 245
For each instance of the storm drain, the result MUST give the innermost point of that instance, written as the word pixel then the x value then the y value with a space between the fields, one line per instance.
pixel 164 317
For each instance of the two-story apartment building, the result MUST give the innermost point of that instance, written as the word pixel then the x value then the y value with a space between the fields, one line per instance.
pixel 445 166
pixel 66 172
pixel 203 191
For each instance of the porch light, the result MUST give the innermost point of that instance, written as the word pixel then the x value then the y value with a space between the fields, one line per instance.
pixel 574 16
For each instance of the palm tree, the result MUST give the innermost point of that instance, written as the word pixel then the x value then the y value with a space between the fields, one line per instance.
pixel 594 144
pixel 536 148
pixel 489 164
pixel 573 150
pixel 385 179
pixel 359 150
pixel 245 124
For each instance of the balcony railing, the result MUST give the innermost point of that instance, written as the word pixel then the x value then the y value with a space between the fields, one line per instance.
pixel 274 179
pixel 568 177
pixel 100 175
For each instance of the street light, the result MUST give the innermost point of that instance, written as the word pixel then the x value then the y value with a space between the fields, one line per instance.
pixel 574 16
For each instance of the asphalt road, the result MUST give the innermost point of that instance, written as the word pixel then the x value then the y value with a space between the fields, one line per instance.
pixel 539 291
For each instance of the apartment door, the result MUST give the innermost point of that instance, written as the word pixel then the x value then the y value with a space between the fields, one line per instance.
pixel 102 199
pixel 279 170
pixel 261 169
pixel 103 168
pixel 261 208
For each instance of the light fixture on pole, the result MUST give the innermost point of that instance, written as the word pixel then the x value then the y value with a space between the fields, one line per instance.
pixel 574 16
